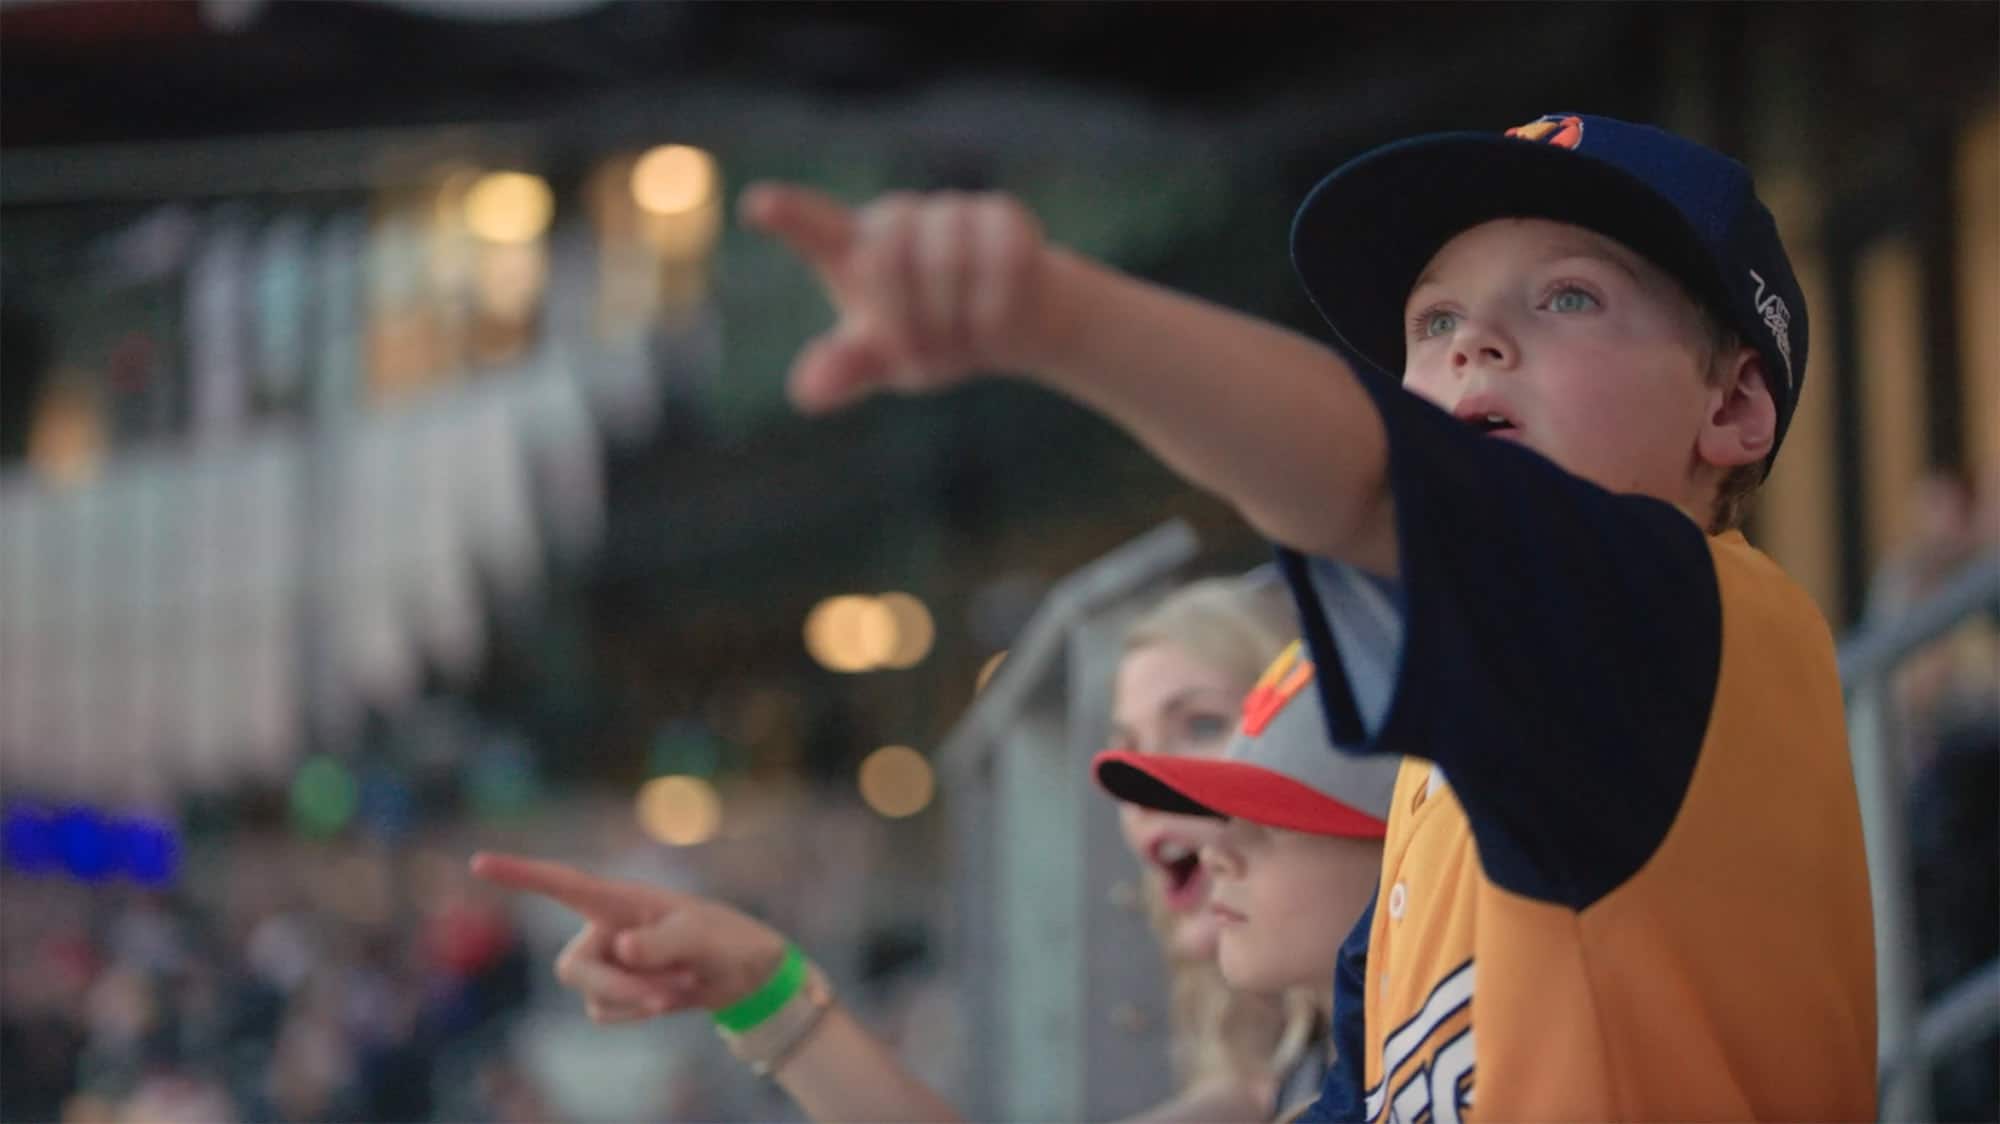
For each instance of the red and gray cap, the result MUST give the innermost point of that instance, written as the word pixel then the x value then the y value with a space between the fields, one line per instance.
pixel 1280 770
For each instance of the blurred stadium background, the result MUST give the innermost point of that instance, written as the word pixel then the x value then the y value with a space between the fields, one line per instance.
pixel 395 462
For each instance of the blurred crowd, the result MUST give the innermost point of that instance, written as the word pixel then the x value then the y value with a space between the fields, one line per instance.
pixel 258 998
pixel 291 980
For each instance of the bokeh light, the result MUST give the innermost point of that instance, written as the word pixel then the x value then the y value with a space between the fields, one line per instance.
pixel 914 630
pixel 151 851
pixel 680 811
pixel 851 633
pixel 385 804
pixel 26 835
pixel 324 796
pixel 66 443
pixel 673 179
pixel 90 845
pixel 509 207
pixel 85 843
pixel 896 781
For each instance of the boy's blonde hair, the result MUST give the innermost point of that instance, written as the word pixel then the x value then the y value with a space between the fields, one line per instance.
pixel 1734 498
pixel 1238 626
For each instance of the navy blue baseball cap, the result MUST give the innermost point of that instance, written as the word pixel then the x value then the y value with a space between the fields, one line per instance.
pixel 1365 233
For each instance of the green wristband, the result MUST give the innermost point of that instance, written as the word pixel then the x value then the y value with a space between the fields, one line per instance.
pixel 744 1014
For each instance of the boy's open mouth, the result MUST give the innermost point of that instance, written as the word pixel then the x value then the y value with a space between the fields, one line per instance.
pixel 1487 421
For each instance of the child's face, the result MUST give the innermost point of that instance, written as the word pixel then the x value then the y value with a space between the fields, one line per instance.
pixel 1284 901
pixel 1569 343
pixel 1168 701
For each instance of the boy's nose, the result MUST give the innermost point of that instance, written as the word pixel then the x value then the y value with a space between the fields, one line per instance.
pixel 1219 860
pixel 1478 343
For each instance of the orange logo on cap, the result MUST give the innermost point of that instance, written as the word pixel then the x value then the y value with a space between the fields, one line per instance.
pixel 1285 678
pixel 1563 132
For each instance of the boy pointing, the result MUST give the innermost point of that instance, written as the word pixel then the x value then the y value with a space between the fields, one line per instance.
pixel 1624 875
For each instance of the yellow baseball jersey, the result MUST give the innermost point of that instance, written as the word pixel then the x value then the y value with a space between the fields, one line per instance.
pixel 1624 875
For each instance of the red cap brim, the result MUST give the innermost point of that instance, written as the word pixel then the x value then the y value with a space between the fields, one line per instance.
pixel 1214 786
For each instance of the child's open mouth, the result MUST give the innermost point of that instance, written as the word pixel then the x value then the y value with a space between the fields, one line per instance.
pixel 1180 871
pixel 1485 412
pixel 1494 425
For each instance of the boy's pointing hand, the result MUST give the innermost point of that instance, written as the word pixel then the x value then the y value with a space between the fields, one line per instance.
pixel 927 289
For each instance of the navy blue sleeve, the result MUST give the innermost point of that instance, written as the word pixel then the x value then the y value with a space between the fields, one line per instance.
pixel 1557 657
pixel 1342 1093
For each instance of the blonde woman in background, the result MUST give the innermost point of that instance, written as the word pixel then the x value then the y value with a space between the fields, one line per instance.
pixel 1189 664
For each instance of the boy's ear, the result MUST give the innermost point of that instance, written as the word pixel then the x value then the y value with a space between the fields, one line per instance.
pixel 1742 419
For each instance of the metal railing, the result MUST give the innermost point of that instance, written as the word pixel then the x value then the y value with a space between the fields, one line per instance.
pixel 1910 1037
pixel 1065 985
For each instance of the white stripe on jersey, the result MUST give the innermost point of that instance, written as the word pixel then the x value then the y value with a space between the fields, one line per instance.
pixel 1451 993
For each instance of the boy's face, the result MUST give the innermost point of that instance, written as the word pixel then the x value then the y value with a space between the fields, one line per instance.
pixel 1284 901
pixel 1567 342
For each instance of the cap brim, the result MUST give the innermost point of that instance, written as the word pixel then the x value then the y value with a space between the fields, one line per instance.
pixel 1213 786
pixel 1365 233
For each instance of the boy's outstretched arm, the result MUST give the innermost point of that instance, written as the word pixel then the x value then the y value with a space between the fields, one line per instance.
pixel 930 289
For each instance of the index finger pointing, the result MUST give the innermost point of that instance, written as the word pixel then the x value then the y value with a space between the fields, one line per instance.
pixel 817 227
pixel 616 904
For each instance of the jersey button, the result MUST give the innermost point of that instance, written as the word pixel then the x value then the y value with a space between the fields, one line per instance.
pixel 1399 899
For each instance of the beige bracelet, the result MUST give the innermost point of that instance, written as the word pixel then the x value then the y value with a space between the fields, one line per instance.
pixel 772 1042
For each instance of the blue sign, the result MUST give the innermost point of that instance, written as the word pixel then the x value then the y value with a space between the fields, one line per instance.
pixel 88 845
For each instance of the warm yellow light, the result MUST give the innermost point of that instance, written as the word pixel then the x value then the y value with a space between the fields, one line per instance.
pixel 896 781
pixel 851 633
pixel 680 811
pixel 986 672
pixel 686 238
pixel 66 443
pixel 914 630
pixel 509 207
pixel 673 179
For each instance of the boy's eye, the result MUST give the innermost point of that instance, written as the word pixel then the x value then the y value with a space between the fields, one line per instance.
pixel 1433 322
pixel 1569 298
